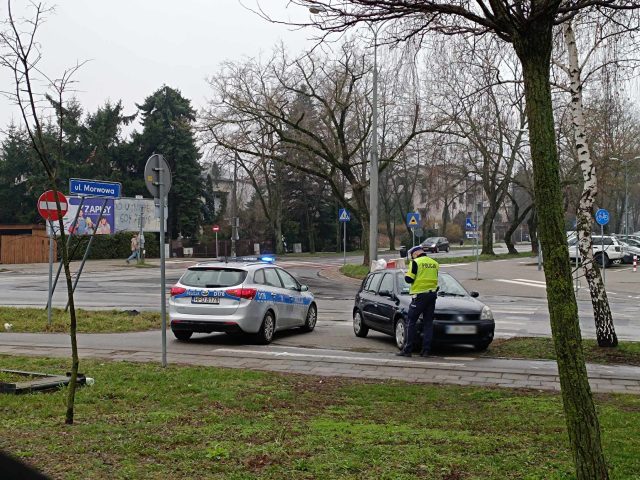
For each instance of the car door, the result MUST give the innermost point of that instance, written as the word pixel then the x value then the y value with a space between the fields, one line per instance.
pixel 280 298
pixel 369 300
pixel 295 299
pixel 385 305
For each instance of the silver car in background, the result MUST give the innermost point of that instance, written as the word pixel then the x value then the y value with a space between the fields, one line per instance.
pixel 252 297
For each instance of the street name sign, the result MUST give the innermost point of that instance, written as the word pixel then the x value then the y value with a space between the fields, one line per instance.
pixel 94 188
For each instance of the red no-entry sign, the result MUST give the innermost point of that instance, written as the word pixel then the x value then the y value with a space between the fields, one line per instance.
pixel 47 207
pixel 215 228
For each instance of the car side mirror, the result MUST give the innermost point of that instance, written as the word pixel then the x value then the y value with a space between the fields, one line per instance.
pixel 304 288
pixel 475 294
pixel 385 293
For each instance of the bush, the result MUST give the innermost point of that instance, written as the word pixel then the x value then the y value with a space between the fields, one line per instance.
pixel 112 246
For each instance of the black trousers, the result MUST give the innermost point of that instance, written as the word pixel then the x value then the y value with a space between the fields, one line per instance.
pixel 425 304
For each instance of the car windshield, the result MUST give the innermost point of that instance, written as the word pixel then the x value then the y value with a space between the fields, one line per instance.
pixel 205 277
pixel 430 240
pixel 449 286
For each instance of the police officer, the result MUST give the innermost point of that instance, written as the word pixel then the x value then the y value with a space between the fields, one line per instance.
pixel 422 275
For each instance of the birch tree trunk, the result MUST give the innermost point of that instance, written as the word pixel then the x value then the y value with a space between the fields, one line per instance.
pixel 605 330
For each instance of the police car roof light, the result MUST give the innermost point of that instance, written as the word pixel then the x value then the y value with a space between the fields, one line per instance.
pixel 266 259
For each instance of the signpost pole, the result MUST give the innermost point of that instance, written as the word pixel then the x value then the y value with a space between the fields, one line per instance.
pixel 604 261
pixel 413 237
pixel 86 252
pixel 73 252
pixel 50 299
pixel 163 307
pixel 216 244
pixel 344 243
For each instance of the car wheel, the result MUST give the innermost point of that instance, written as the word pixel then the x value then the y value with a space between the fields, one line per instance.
pixel 435 249
pixel 182 335
pixel 400 333
pixel 312 317
pixel 447 250
pixel 359 328
pixel 267 329
pixel 481 347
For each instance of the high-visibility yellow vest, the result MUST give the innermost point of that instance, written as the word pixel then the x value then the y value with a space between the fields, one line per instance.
pixel 424 274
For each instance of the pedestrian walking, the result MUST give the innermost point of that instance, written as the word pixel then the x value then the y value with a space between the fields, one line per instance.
pixel 422 276
pixel 134 248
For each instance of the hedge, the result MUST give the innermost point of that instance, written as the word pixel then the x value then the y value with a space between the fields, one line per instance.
pixel 113 246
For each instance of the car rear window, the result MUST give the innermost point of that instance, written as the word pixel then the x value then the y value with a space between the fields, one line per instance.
pixel 213 277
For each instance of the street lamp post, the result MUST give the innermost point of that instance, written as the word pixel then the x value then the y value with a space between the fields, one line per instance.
pixel 373 169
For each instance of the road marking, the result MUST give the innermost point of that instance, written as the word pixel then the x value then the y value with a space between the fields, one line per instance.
pixel 527 284
pixel 335 357
pixel 453 264
pixel 532 281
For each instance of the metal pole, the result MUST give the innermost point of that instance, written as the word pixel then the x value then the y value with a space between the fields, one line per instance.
pixel 86 252
pixel 163 303
pixel 233 206
pixel 373 169
pixel 626 201
pixel 477 235
pixel 344 243
pixel 413 237
pixel 73 253
pixel 50 299
pixel 216 244
pixel 141 235
pixel 539 255
pixel 604 262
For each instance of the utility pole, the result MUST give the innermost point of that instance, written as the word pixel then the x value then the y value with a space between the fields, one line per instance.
pixel 373 168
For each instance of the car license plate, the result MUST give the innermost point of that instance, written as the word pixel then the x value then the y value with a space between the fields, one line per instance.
pixel 461 329
pixel 214 300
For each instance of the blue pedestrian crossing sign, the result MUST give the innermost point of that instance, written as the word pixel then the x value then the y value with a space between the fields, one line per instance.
pixel 469 224
pixel 343 215
pixel 602 216
pixel 413 219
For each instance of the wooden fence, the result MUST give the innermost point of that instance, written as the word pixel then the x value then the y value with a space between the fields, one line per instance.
pixel 32 248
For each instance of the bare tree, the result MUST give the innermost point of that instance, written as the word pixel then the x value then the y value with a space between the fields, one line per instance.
pixel 20 55
pixel 483 96
pixel 334 141
pixel 528 26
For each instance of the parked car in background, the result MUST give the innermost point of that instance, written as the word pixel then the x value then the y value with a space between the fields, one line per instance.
pixel 436 244
pixel 607 250
pixel 630 250
pixel 252 296
pixel 383 300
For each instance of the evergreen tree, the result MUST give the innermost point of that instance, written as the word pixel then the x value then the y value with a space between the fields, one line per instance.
pixel 167 119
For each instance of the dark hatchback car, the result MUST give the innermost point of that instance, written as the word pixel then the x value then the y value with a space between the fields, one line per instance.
pixel 436 244
pixel 383 300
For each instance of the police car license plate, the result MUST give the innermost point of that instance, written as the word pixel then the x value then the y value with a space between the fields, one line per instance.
pixel 461 329
pixel 214 300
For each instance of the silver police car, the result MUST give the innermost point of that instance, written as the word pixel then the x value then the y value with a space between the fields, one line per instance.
pixel 245 296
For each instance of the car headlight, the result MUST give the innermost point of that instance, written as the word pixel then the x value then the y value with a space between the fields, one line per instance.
pixel 486 314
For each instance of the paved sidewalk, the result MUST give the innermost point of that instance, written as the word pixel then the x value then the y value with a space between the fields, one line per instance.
pixel 539 375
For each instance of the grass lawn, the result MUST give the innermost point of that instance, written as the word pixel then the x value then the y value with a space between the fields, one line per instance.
pixel 627 353
pixel 142 421
pixel 89 321
pixel 360 271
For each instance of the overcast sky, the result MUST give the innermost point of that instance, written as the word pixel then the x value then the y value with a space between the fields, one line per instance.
pixel 135 46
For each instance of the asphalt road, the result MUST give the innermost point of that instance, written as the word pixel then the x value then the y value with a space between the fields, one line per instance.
pixel 514 289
